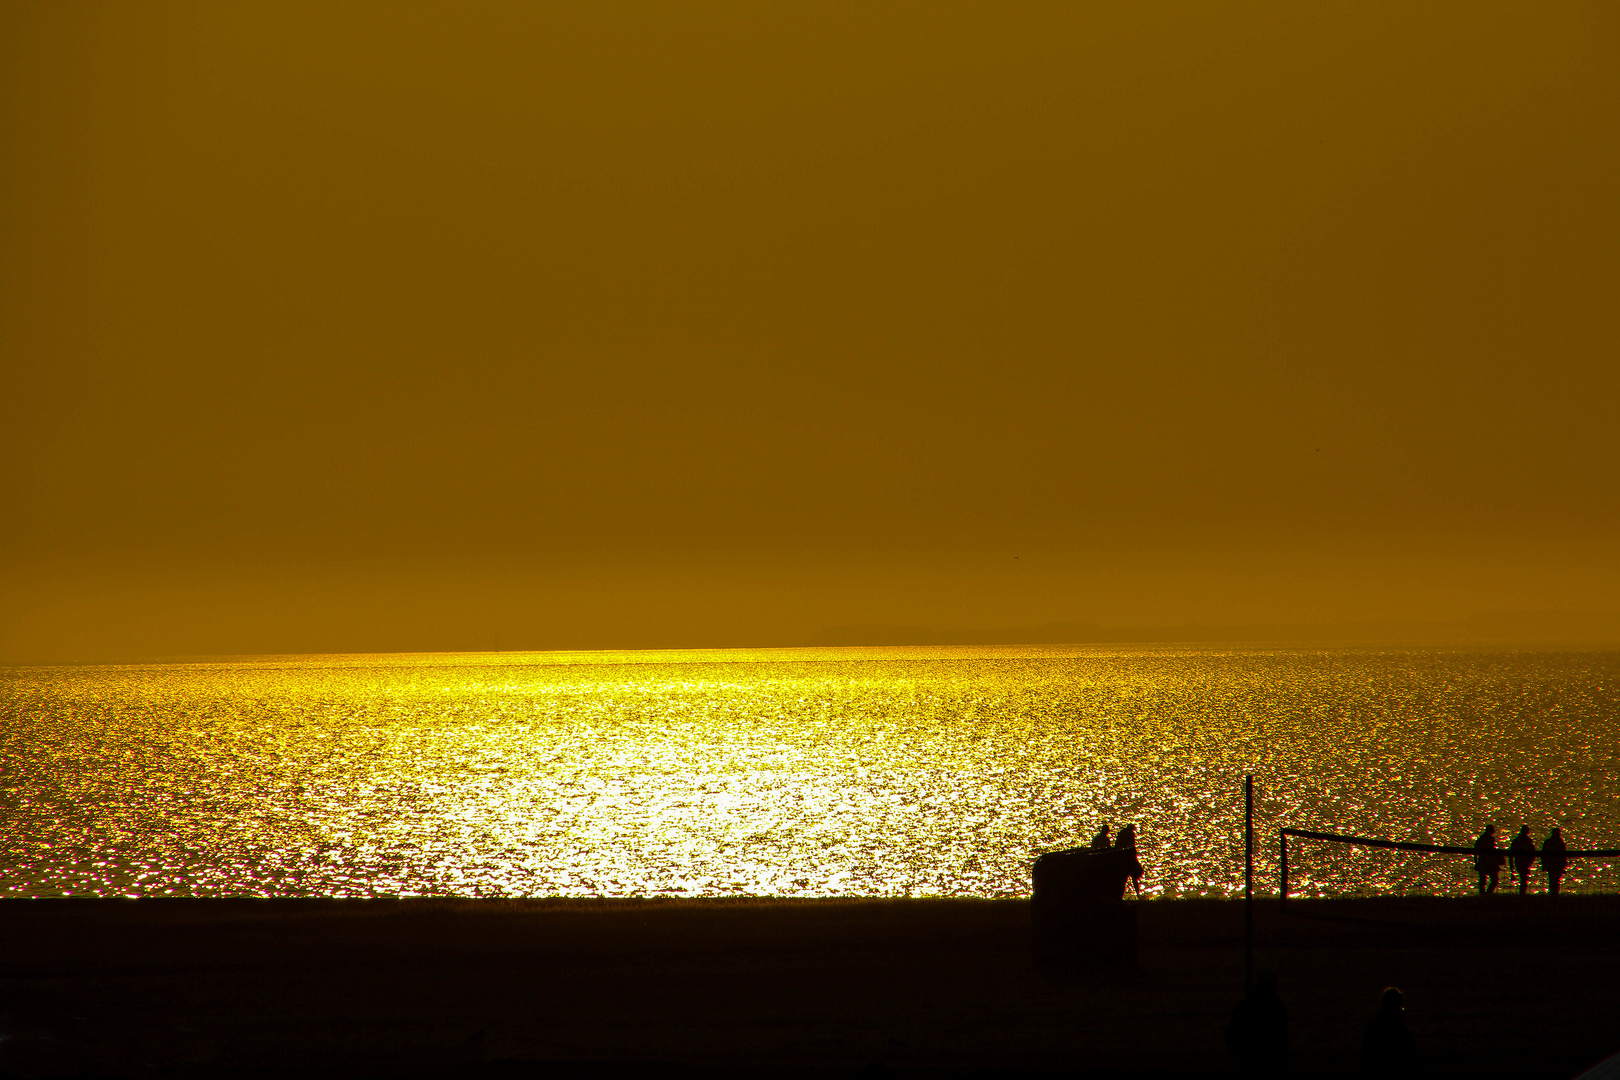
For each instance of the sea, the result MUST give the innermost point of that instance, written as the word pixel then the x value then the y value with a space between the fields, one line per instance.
pixel 875 772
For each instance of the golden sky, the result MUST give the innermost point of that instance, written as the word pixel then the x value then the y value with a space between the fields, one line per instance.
pixel 444 326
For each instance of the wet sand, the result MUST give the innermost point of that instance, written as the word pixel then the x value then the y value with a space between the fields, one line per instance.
pixel 199 988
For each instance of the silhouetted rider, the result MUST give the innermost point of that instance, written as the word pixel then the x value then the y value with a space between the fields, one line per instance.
pixel 1126 842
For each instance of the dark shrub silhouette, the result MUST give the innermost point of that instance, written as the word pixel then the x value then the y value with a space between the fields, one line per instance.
pixel 1258 1030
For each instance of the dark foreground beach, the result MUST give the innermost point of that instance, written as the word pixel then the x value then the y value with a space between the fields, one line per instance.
pixel 204 988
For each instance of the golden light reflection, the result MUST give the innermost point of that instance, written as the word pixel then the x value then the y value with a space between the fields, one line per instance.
pixel 887 772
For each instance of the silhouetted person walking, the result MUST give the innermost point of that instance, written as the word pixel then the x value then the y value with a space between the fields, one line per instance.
pixel 1126 842
pixel 1523 853
pixel 1258 1030
pixel 1488 860
pixel 1553 860
pixel 1387 1047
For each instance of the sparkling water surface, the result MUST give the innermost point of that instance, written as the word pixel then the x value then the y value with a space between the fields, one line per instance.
pixel 814 772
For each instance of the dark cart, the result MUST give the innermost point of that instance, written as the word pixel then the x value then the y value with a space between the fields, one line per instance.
pixel 1078 909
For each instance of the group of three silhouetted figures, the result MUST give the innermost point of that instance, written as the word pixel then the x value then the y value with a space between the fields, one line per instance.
pixel 1488 859
pixel 1258 1033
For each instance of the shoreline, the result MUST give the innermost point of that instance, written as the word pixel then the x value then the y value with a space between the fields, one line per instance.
pixel 750 986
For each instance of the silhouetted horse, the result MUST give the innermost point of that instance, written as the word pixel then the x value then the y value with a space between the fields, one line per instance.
pixel 1077 907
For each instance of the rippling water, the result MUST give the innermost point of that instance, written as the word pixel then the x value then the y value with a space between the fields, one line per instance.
pixel 789 772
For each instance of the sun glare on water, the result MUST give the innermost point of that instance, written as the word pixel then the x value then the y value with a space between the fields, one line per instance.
pixel 878 772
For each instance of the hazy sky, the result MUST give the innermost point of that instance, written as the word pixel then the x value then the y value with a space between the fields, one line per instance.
pixel 421 326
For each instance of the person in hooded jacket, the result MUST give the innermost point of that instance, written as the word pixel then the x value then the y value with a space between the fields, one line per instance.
pixel 1387 1046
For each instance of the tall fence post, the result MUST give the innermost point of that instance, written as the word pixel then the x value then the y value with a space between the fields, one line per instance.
pixel 1248 882
pixel 1282 867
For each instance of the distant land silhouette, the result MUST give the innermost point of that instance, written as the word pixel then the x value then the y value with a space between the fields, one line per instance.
pixel 1487 628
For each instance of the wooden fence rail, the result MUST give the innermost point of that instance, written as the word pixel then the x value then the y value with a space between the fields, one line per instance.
pixel 1398 845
